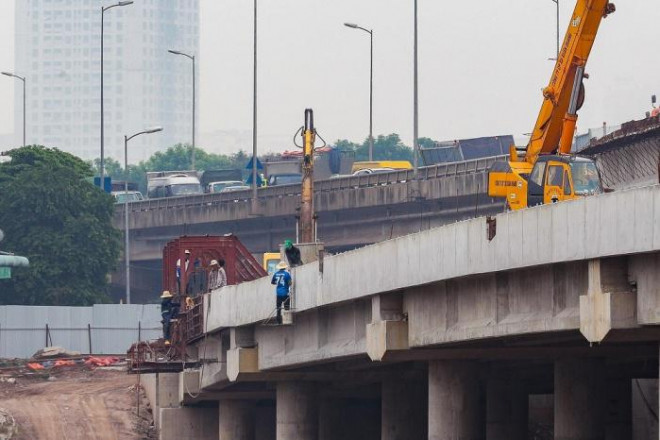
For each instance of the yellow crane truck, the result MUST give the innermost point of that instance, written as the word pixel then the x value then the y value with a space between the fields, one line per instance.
pixel 547 172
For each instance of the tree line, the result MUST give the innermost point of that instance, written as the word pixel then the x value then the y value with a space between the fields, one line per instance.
pixel 178 158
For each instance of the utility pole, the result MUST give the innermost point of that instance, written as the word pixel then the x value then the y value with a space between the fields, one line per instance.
pixel 307 205
pixel 558 41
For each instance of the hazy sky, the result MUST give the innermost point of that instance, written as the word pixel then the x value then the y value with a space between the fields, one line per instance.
pixel 482 66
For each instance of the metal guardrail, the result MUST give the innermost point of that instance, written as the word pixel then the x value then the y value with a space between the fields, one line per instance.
pixel 349 182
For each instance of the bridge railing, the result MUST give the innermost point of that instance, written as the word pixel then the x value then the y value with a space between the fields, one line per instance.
pixel 349 182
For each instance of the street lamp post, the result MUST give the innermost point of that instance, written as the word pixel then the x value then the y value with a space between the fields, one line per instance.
pixel 191 58
pixel 127 246
pixel 558 42
pixel 415 100
pixel 371 87
pixel 254 116
pixel 103 9
pixel 21 78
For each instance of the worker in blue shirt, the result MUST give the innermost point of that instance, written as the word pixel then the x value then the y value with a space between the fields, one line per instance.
pixel 282 279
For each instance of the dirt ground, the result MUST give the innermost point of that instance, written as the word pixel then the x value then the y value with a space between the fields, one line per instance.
pixel 75 404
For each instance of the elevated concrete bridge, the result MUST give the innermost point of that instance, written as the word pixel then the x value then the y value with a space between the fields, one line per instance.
pixel 443 334
pixel 355 211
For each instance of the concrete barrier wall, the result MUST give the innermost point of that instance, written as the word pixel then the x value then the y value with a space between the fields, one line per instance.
pixel 620 223
pixel 111 328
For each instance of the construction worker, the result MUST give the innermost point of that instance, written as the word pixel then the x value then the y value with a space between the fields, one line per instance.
pixel 292 254
pixel 282 279
pixel 168 311
pixel 196 283
pixel 217 274
pixel 178 268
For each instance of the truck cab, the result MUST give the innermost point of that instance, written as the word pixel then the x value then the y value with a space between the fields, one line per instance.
pixel 556 178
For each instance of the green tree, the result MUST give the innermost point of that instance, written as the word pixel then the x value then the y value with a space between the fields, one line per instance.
pixel 111 167
pixel 176 158
pixel 388 147
pixel 52 214
pixel 425 142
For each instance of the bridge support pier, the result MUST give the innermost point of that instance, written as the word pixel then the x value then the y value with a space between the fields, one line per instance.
pixel 188 424
pixel 619 409
pixel 297 411
pixel 579 399
pixel 506 409
pixel 455 404
pixel 237 420
pixel 404 410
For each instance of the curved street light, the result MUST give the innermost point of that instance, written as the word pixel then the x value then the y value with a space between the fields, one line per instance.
pixel 192 58
pixel 371 86
pixel 103 9
pixel 127 248
pixel 21 78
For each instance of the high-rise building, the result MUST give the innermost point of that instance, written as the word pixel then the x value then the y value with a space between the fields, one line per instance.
pixel 58 50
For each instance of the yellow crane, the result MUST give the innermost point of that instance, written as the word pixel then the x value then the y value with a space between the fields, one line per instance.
pixel 547 172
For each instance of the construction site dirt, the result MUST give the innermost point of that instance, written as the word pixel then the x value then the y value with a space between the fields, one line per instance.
pixel 75 403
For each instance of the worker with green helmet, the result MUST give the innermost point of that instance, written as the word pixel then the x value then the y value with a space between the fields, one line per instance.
pixel 292 254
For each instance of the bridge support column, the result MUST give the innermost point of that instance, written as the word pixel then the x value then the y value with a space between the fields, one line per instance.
pixel 579 399
pixel 297 411
pixel 237 420
pixel 619 409
pixel 506 409
pixel 265 425
pixel 188 424
pixel 404 410
pixel 455 404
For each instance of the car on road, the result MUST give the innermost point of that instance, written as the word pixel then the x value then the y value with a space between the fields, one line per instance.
pixel 367 171
pixel 130 196
pixel 219 186
pixel 234 188
pixel 284 179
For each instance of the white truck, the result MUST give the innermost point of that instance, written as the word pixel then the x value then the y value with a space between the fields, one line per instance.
pixel 172 184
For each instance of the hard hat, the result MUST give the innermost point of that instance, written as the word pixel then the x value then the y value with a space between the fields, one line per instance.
pixel 288 243
pixel 186 251
pixel 214 263
pixel 282 265
pixel 166 294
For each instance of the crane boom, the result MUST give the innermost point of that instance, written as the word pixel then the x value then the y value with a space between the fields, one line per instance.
pixel 548 174
pixel 555 124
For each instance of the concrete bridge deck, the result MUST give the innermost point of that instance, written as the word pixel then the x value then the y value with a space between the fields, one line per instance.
pixel 444 334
